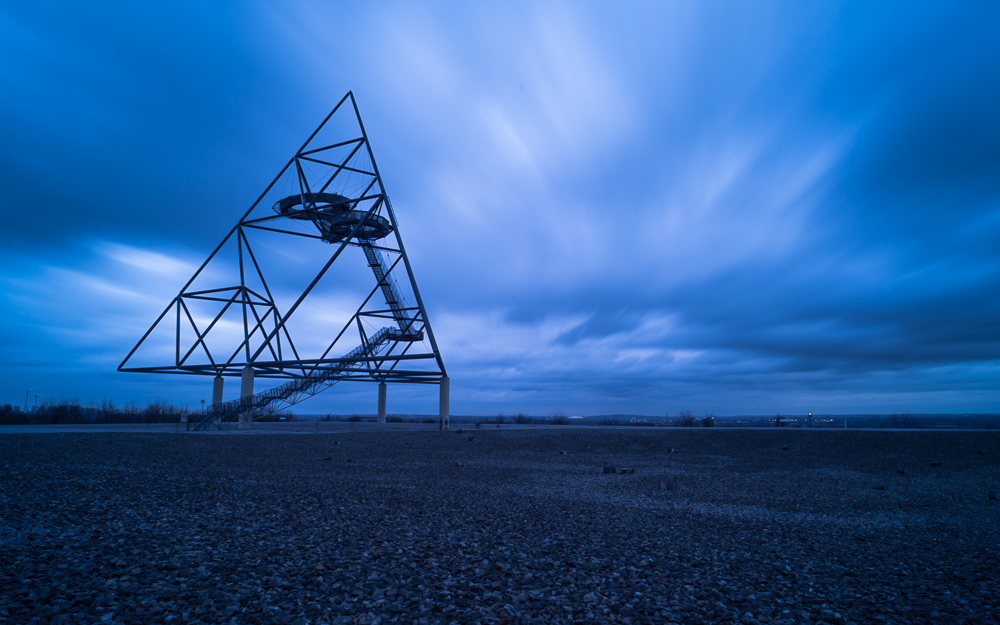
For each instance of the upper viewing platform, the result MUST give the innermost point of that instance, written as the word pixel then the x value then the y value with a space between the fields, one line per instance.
pixel 333 216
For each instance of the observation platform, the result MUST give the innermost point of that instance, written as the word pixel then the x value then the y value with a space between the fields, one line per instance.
pixel 333 215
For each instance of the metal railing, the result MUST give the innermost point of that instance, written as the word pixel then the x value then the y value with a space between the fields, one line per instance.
pixel 389 289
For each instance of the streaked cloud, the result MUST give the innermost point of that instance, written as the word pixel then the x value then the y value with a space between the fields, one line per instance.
pixel 644 208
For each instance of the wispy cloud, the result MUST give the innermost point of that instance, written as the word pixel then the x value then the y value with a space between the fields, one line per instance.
pixel 608 208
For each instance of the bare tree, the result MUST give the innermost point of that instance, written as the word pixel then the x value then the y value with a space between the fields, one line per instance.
pixel 903 420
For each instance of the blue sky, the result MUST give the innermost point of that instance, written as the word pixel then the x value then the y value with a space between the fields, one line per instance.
pixel 750 207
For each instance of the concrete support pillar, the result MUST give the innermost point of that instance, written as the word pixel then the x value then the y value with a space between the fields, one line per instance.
pixel 246 390
pixel 381 402
pixel 217 391
pixel 444 403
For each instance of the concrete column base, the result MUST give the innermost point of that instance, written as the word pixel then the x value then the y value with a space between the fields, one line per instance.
pixel 246 390
pixel 444 403
pixel 217 390
pixel 381 402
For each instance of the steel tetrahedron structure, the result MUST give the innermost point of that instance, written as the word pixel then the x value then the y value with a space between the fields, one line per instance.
pixel 313 285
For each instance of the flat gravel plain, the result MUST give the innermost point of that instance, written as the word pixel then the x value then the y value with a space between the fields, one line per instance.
pixel 501 526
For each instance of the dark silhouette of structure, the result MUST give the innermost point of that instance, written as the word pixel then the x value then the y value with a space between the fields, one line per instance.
pixel 254 307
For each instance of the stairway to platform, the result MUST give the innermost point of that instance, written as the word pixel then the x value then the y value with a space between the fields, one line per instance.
pixel 296 390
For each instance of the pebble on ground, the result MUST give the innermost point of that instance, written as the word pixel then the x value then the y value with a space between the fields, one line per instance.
pixel 525 526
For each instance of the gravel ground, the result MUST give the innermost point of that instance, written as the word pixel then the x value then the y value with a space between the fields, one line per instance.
pixel 501 526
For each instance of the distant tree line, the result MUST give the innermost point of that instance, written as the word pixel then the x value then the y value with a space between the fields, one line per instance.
pixel 686 419
pixel 72 412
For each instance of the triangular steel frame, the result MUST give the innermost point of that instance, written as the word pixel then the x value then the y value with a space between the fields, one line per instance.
pixel 366 220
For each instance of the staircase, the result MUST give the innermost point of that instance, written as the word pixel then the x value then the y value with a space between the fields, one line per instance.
pixel 290 393
pixel 388 284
